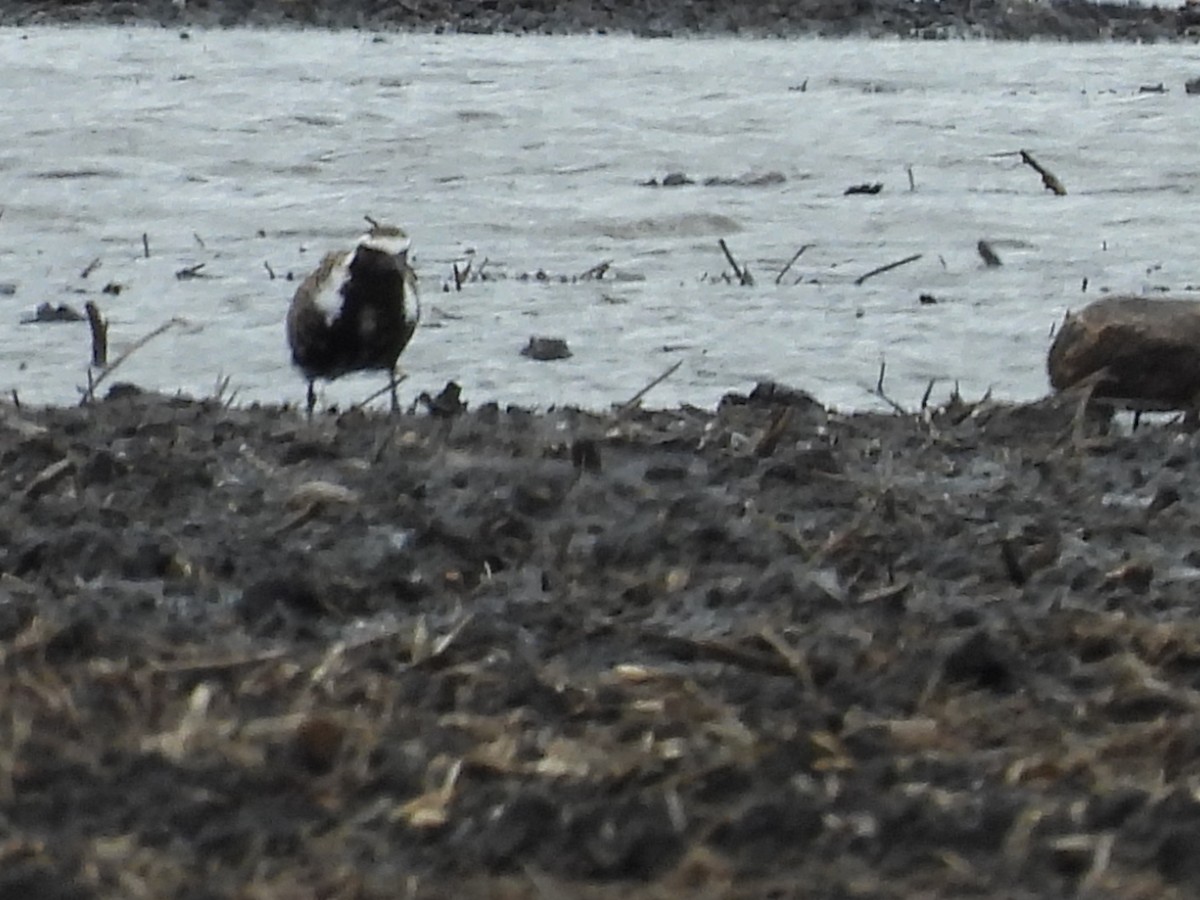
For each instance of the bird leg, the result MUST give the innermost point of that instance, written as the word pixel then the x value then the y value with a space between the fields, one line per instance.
pixel 392 382
pixel 312 398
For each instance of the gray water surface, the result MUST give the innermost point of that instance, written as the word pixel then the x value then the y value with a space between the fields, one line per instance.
pixel 251 151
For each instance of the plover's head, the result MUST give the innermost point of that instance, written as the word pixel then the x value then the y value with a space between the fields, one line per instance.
pixel 387 240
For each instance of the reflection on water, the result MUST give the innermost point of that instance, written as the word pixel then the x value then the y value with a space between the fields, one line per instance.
pixel 253 152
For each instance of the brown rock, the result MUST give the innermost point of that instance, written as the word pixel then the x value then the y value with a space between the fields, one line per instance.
pixel 1147 349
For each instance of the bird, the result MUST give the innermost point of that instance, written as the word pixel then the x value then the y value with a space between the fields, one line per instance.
pixel 356 311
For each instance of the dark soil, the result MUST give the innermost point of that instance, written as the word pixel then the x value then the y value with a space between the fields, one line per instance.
pixel 929 19
pixel 762 651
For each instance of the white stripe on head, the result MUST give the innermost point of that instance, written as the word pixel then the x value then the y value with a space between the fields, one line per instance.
pixel 393 242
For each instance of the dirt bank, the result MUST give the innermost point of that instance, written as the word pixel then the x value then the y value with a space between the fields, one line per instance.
pixel 766 650
pixel 1020 20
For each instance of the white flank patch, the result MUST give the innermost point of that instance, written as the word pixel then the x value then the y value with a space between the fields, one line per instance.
pixel 328 296
pixel 412 294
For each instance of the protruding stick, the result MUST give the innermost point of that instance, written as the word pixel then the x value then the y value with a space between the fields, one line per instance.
pixel 928 391
pixel 743 275
pixel 99 334
pixel 879 392
pixel 1049 179
pixel 879 270
pixel 631 404
pixel 190 272
pixel 460 275
pixel 990 259
pixel 791 262
pixel 116 363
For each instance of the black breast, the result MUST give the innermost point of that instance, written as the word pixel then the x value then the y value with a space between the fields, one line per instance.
pixel 373 326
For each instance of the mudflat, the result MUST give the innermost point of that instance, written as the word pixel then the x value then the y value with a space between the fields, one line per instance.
pixel 1078 20
pixel 761 650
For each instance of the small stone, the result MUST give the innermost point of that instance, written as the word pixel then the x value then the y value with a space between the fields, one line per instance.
pixel 47 312
pixel 866 188
pixel 544 349
pixel 676 179
pixel 1164 498
pixel 1135 575
pixel 445 405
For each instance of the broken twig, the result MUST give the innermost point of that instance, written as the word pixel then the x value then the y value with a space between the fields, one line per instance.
pixel 792 656
pixel 928 391
pixel 879 270
pixel 791 262
pixel 879 392
pixel 631 404
pixel 596 272
pixel 745 279
pixel 773 433
pixel 375 395
pixel 190 272
pixel 1049 179
pixel 990 259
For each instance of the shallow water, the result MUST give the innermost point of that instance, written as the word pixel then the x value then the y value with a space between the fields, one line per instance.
pixel 254 151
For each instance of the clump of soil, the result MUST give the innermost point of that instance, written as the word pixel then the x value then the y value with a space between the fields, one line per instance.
pixel 763 650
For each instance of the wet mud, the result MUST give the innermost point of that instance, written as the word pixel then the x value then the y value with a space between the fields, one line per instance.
pixel 764 650
pixel 1078 20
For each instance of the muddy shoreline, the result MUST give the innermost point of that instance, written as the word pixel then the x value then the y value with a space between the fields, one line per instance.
pixel 1074 20
pixel 761 650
